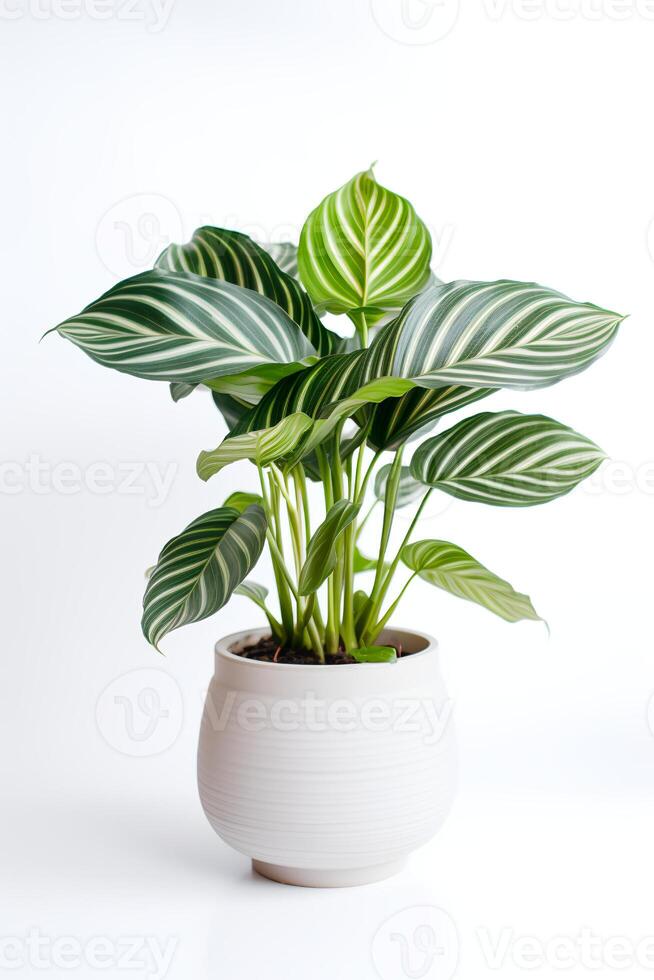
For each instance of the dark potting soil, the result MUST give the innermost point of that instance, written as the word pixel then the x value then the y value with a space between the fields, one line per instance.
pixel 270 652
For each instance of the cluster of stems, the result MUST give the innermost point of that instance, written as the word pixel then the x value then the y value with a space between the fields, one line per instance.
pixel 352 619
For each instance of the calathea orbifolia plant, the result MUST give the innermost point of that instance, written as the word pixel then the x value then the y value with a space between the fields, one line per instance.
pixel 303 403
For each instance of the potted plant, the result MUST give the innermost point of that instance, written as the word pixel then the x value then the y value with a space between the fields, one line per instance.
pixel 320 756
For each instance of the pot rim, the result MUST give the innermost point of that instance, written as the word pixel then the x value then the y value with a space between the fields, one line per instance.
pixel 222 645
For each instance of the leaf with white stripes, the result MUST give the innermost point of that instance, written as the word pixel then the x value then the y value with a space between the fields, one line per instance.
pixel 198 570
pixel 168 326
pixel 179 390
pixel 396 420
pixel 507 459
pixel 262 446
pixel 408 491
pixel 363 248
pixel 321 551
pixel 218 253
pixel 491 335
pixel 309 391
pixel 451 568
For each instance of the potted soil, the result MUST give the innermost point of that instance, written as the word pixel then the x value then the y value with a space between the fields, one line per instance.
pixel 326 750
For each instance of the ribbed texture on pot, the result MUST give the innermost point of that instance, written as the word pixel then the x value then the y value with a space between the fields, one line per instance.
pixel 327 767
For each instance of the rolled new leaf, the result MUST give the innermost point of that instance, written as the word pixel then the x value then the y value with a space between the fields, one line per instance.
pixel 321 551
pixel 168 326
pixel 262 446
pixel 449 567
pixel 233 257
pixel 198 570
pixel 506 459
pixel 363 247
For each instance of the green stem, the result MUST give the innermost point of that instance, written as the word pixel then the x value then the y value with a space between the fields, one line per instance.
pixel 358 318
pixel 388 577
pixel 331 629
pixel 278 563
pixel 390 499
pixel 372 635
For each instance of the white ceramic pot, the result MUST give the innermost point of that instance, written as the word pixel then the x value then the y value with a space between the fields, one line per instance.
pixel 327 776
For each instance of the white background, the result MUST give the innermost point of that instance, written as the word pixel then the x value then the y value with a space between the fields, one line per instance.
pixel 523 134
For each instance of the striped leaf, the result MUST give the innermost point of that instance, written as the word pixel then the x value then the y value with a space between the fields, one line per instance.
pixel 321 551
pixel 409 490
pixel 363 248
pixel 507 459
pixel 396 420
pixel 460 329
pixel 228 255
pixel 179 390
pixel 491 335
pixel 262 446
pixel 451 568
pixel 169 326
pixel 198 570
pixel 310 391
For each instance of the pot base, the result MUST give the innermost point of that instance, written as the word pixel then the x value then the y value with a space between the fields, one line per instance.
pixel 329 878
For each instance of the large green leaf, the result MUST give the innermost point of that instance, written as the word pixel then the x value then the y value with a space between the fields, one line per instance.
pixel 447 329
pixel 363 248
pixel 170 326
pixel 228 255
pixel 408 491
pixel 506 459
pixel 198 570
pixel 456 343
pixel 262 446
pixel 491 335
pixel 321 551
pixel 451 568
